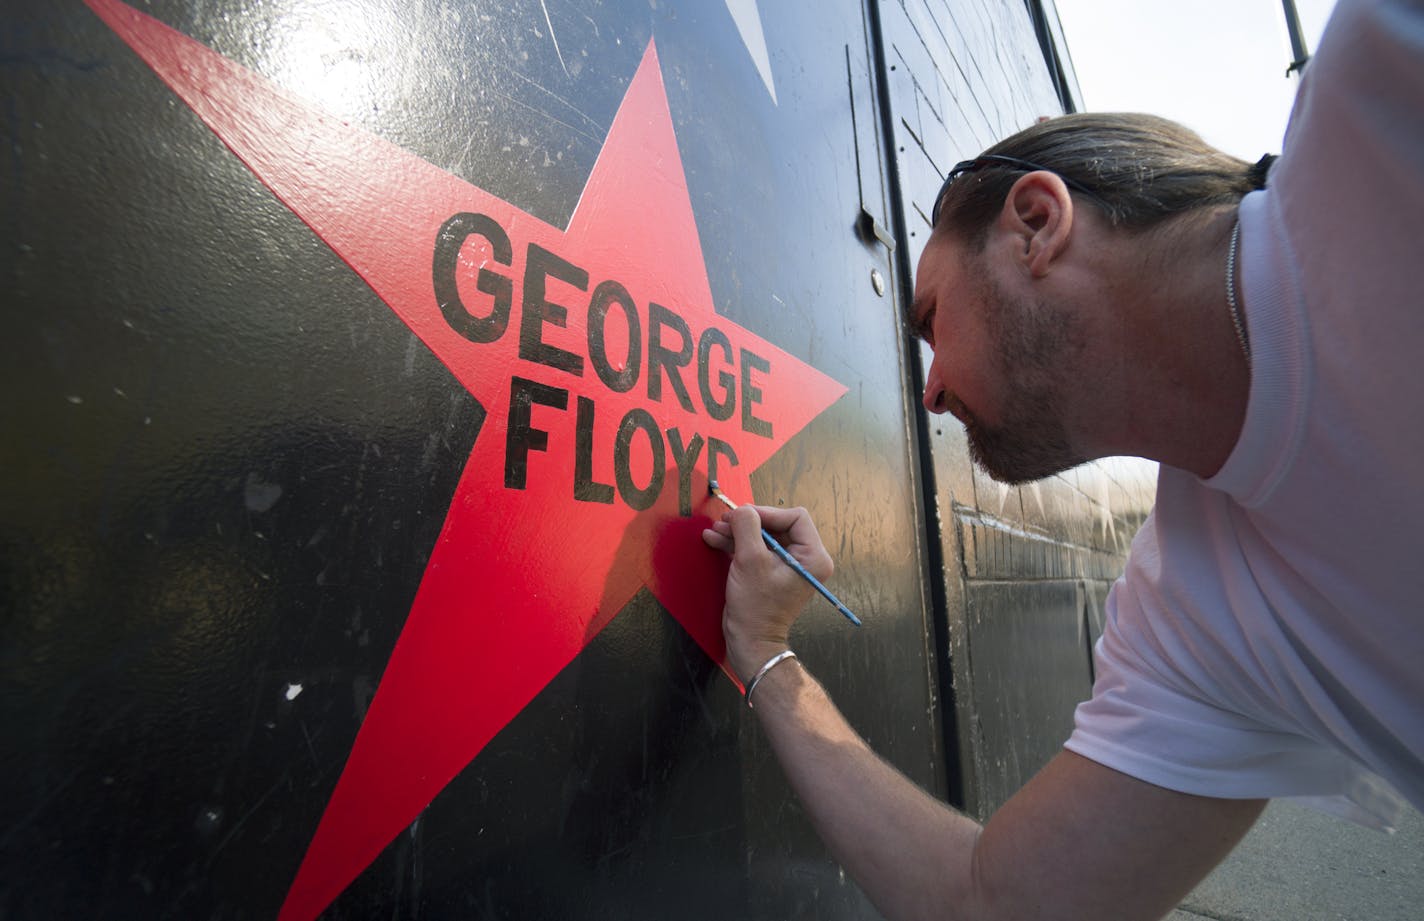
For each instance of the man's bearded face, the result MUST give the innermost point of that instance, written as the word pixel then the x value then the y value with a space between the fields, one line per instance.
pixel 1032 343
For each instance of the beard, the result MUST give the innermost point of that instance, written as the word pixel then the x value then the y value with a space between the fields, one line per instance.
pixel 1021 453
pixel 1030 441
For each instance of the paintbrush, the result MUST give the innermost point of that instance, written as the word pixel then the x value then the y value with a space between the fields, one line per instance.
pixel 788 559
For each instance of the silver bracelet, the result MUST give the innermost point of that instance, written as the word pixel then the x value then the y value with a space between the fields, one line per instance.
pixel 761 672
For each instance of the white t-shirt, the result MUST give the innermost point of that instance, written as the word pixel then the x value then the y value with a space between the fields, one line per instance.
pixel 1267 636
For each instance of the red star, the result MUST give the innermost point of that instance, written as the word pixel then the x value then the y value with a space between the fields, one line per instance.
pixel 523 575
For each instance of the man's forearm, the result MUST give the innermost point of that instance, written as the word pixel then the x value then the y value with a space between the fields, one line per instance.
pixel 1079 842
pixel 910 853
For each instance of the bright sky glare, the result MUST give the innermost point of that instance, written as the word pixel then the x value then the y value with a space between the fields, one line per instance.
pixel 1216 66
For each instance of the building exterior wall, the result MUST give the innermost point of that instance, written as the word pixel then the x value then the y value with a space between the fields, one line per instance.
pixel 327 592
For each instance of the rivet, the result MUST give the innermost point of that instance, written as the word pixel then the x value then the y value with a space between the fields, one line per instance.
pixel 877 281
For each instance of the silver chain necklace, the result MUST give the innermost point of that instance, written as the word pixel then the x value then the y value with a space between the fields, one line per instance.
pixel 1231 294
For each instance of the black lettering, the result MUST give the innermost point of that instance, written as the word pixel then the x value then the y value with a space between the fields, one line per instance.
pixel 638 420
pixel 585 488
pixel 538 309
pixel 719 410
pixel 448 243
pixel 716 447
pixel 608 293
pixel 752 394
pixel 522 437
pixel 662 357
pixel 686 460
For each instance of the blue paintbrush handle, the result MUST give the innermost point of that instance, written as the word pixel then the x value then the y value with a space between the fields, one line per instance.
pixel 795 564
pixel 787 558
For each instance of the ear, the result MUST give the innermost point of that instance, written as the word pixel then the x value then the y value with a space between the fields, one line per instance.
pixel 1038 217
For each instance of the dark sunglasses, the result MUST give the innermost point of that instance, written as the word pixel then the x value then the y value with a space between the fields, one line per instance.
pixel 978 163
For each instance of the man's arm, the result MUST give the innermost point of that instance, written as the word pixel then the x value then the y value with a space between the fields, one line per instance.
pixel 1079 841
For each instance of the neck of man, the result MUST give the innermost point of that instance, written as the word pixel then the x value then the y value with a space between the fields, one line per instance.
pixel 1174 380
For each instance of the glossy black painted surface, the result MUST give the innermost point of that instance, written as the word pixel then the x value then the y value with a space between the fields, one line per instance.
pixel 226 461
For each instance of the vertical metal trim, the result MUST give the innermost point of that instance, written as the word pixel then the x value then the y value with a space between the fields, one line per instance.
pixel 1056 57
pixel 958 767
pixel 1297 39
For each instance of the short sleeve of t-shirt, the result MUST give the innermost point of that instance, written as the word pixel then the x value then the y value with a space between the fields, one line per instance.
pixel 1167 708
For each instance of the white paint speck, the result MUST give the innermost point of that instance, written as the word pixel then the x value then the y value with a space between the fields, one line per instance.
pixel 76 400
pixel 292 691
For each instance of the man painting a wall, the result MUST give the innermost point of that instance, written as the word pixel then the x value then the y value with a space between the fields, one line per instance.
pixel 1101 285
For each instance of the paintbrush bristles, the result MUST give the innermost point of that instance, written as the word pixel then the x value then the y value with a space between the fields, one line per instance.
pixel 715 490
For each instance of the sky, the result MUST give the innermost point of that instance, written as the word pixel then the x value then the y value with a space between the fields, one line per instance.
pixel 1217 66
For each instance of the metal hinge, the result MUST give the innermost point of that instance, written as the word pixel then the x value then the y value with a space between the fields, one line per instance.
pixel 870 230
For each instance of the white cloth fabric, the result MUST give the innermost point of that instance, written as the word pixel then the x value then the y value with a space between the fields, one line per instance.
pixel 1267 637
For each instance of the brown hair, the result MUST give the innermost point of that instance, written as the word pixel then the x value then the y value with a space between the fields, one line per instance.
pixel 1139 170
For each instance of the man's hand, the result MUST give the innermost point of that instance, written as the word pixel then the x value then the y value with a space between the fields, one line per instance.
pixel 764 595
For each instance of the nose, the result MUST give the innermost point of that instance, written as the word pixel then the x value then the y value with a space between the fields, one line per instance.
pixel 935 399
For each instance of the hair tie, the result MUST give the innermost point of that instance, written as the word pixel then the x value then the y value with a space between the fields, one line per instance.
pixel 1256 175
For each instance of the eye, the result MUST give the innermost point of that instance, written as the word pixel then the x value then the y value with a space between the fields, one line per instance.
pixel 925 330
